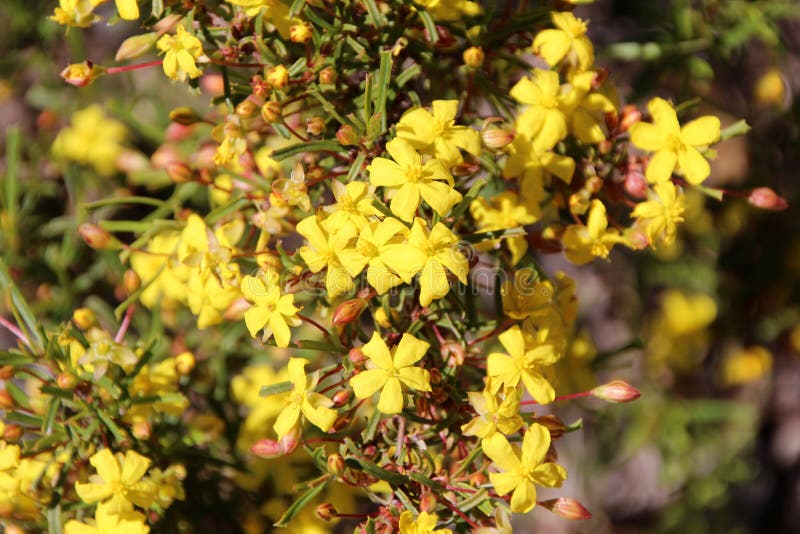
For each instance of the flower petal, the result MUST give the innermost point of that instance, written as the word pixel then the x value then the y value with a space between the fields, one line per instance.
pixel 391 399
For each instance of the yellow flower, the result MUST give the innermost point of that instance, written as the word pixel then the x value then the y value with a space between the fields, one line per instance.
pixel 353 205
pixel 660 216
pixel 582 243
pixel 323 251
pixel 544 119
pixel 303 399
pixel 76 13
pixel 568 40
pixel 110 520
pixel 440 249
pixel 409 179
pixel 388 370
pixel 274 11
pixel 424 524
pixel 501 212
pixel 382 248
pixel 160 271
pixel 160 379
pixel 494 414
pixel 586 109
pixel 434 132
pixel 521 364
pixel 522 470
pixel 675 147
pixel 92 139
pixel 746 365
pixel 127 9
pixel 181 51
pixel 209 254
pixel 451 10
pixel 271 311
pixel 120 481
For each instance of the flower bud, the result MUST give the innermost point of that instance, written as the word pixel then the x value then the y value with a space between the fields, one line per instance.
pixel 131 281
pixel 326 511
pixel 12 433
pixel 340 398
pixel 6 372
pixel 246 109
pixel 271 112
pixel 427 503
pixel 497 137
pixel 83 318
pixel 141 430
pixel 553 424
pixel 278 76
pixel 346 135
pixel 567 508
pixel 315 125
pixel 765 198
pixel 81 74
pixel 635 184
pixel 6 401
pixel 136 46
pixel 184 362
pixel 348 311
pixel 290 441
pixel 267 448
pixel 327 75
pixel 300 33
pixel 66 381
pixel 179 172
pixel 473 57
pixel 629 116
pixel 453 353
pixel 335 464
pixel 184 115
pixel 97 238
pixel 12 528
pixel 616 391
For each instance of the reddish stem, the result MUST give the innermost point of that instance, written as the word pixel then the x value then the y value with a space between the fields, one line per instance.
pixel 126 68
pixel 126 322
pixel 572 396
pixel 447 503
pixel 312 322
pixel 16 331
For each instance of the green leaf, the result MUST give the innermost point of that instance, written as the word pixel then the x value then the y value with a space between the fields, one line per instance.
pixel 50 417
pixel 19 396
pixel 11 176
pixel 384 74
pixel 299 504
pixel 471 195
pixel 21 310
pixel 158 8
pixel 274 389
pixel 375 14
pixel 330 108
pixel 24 419
pixel 739 127
pixel 296 7
pixel 394 479
pixel 313 146
pixel 115 430
pixel 495 234
pixel 15 359
pixel 122 200
pixel 54 519
pixel 430 25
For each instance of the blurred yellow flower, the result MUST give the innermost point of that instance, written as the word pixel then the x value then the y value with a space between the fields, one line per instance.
pixel 120 481
pixel 425 523
pixel 569 41
pixel 746 365
pixel 181 51
pixel 91 139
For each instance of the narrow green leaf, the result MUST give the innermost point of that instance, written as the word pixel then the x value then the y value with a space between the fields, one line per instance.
pixel 14 358
pixel 375 14
pixel 332 110
pixel 274 389
pixel 19 396
pixel 408 74
pixel 115 430
pixel 21 310
pixel 315 19
pixel 430 25
pixel 296 7
pixel 299 504
pixel 394 479
pixel 355 168
pixel 739 127
pixel 122 200
pixel 471 195
pixel 54 519
pixel 313 146
pixel 495 234
pixel 50 417
pixel 384 74
pixel 24 419
pixel 158 8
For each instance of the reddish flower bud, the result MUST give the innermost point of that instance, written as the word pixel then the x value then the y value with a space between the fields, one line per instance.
pixel 765 198
pixel 616 391
pixel 326 511
pixel 357 357
pixel 335 464
pixel 497 137
pixel 327 75
pixel 348 311
pixel 141 430
pixel 567 508
pixel 97 238
pixel 6 372
pixel 271 112
pixel 6 401
pixel 315 125
pixel 635 184
pixel 346 135
pixel 340 398
pixel 131 281
pixel 136 46
pixel 66 381
pixel 179 172
pixel 553 424
pixel 427 502
pixel 453 353
pixel 629 116
pixel 12 433
pixel 267 448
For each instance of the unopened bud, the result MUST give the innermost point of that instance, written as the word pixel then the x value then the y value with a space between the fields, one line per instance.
pixel 765 198
pixel 497 137
pixel 184 115
pixel 179 172
pixel 141 430
pixel 453 353
pixel 6 372
pixel 629 116
pixel 247 109
pixel 278 76
pixel 465 168
pixel 267 448
pixel 66 381
pixel 348 311
pixel 427 503
pixel 136 46
pixel 553 424
pixel 83 318
pixel 326 512
pixel 327 75
pixel 300 33
pixel 12 528
pixel 635 184
pixel 335 464
pixel 616 391
pixel 346 135
pixel 473 57
pixel 184 362
pixel 131 281
pixel 290 441
pixel 340 398
pixel 315 125
pixel 97 238
pixel 271 112
pixel 567 508
pixel 6 400
pixel 12 433
pixel 81 74
pixel 477 478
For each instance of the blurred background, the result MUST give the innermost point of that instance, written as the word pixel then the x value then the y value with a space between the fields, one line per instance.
pixel 708 329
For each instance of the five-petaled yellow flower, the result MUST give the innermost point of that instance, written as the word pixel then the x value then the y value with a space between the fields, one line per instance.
pixel 271 311
pixel 120 481
pixel 568 40
pixel 439 247
pixel 494 415
pixel 323 251
pixel 675 147
pixel 521 364
pixel 582 243
pixel 435 132
pixel 660 215
pixel 181 51
pixel 409 179
pixel 425 523
pixel 389 369
pixel 314 406
pixel 109 520
pixel 523 469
